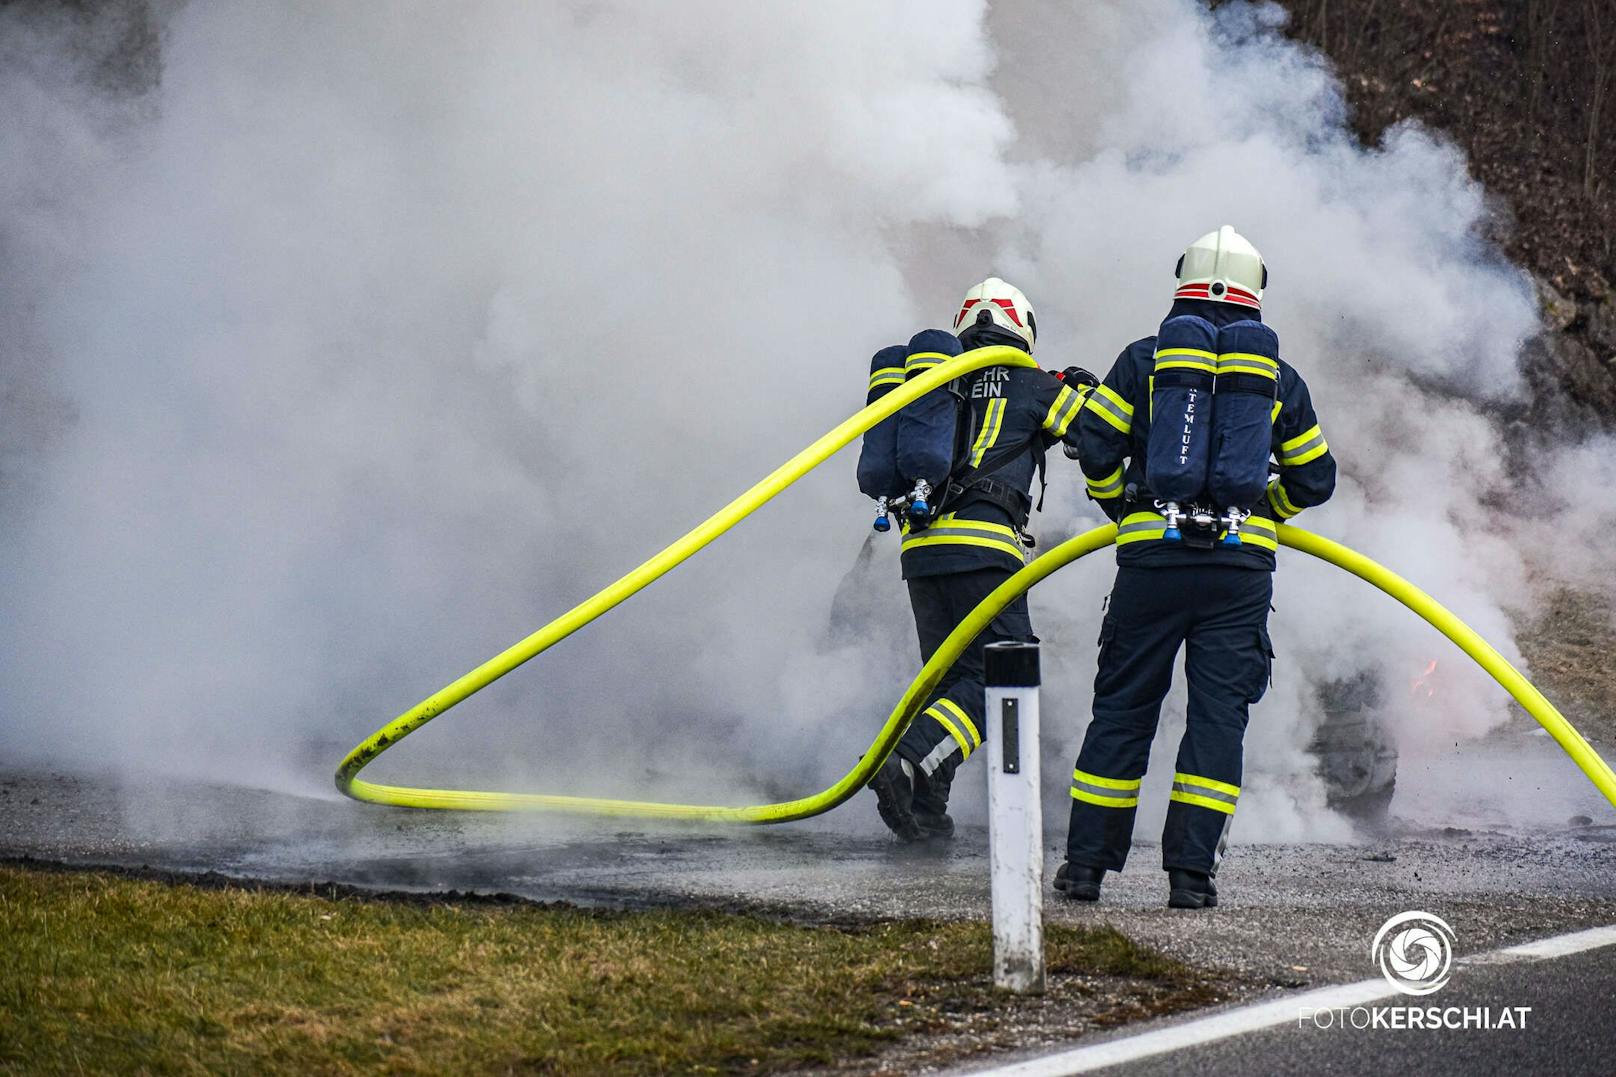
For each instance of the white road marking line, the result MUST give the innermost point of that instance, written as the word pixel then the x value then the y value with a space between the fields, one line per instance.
pixel 1561 945
pixel 1262 1015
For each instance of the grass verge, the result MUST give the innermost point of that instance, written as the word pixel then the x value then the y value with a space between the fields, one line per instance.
pixel 105 972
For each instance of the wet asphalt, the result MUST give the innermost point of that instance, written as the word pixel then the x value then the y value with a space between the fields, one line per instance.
pixel 1292 915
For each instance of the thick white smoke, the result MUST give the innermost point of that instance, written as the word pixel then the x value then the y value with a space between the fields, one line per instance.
pixel 376 339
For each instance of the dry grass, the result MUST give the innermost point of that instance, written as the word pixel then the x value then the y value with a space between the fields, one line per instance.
pixel 105 973
pixel 1568 650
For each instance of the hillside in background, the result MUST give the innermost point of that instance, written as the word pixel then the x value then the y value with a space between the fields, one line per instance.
pixel 1526 88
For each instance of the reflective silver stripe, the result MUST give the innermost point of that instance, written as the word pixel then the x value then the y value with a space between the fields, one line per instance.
pixel 1104 403
pixel 1108 793
pixel 1111 485
pixel 1234 366
pixel 1142 525
pixel 1203 791
pixel 960 532
pixel 1302 449
pixel 934 759
pixel 1067 414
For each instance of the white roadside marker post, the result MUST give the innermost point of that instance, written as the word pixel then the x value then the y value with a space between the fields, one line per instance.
pixel 1015 816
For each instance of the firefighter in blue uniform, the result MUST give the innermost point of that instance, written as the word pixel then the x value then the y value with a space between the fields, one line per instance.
pixel 1194 563
pixel 973 537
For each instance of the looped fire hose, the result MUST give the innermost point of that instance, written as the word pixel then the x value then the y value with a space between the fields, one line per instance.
pixel 1583 754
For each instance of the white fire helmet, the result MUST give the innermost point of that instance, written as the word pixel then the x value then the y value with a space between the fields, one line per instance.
pixel 1003 304
pixel 1223 267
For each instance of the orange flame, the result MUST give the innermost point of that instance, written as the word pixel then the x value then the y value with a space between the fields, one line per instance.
pixel 1421 686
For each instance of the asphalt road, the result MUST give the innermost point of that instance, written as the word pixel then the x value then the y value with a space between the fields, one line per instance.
pixel 1568 1031
pixel 1503 1011
pixel 1293 916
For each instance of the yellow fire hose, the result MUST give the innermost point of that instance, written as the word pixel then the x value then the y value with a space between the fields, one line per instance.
pixel 1597 770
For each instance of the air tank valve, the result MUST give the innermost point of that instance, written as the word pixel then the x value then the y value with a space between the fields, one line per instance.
pixel 919 509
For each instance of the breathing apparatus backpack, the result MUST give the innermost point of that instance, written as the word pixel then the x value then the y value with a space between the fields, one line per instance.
pixel 931 428
pixel 915 460
pixel 878 476
pixel 907 456
pixel 1243 419
pixel 1211 423
pixel 1178 454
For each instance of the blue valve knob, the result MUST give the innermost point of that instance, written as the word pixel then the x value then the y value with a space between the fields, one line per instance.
pixel 1172 534
pixel 919 511
pixel 1232 539
pixel 882 523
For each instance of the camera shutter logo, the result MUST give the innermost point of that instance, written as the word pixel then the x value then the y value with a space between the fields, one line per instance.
pixel 1415 952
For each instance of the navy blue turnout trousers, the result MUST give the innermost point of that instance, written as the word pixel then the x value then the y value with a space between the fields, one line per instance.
pixel 1219 615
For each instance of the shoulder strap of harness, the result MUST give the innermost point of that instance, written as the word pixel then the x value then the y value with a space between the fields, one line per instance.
pixel 978 484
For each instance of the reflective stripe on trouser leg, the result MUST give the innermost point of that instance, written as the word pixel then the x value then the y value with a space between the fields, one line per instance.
pixel 1195 836
pixel 960 734
pixel 942 737
pixel 1103 810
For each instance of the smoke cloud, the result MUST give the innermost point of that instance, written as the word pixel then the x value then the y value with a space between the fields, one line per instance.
pixel 358 344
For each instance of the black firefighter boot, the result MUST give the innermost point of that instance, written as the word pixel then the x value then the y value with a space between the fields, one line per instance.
pixel 1190 889
pixel 894 795
pixel 930 806
pixel 1079 881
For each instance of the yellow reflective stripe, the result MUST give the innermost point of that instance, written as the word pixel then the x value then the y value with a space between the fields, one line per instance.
pixel 1108 404
pixel 1249 357
pixel 1259 531
pixel 923 361
pixel 990 431
pixel 1108 487
pixel 1207 783
pixel 1307 457
pixel 1237 366
pixel 1185 364
pixel 953 730
pixel 1301 439
pixel 1273 416
pixel 887 375
pixel 1280 500
pixel 1104 801
pixel 1067 405
pixel 1139 526
pixel 1071 413
pixel 965 540
pixel 1306 446
pixel 1061 400
pixel 1202 802
pixel 952 520
pixel 1106 783
pixel 964 719
pixel 1115 398
pixel 1187 359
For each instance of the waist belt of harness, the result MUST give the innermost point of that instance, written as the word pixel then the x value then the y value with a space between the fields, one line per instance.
pixel 1017 503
